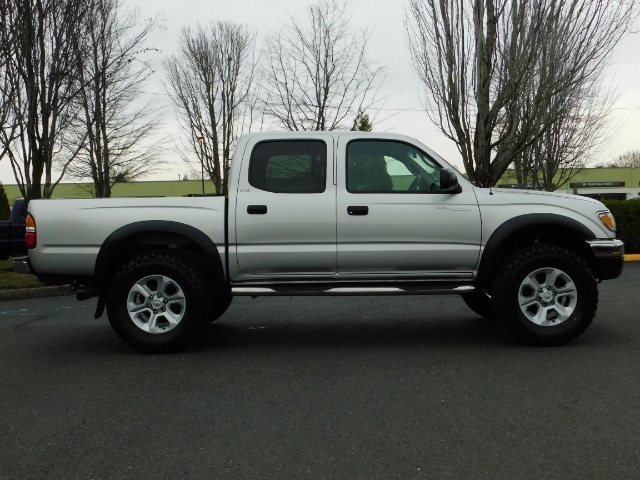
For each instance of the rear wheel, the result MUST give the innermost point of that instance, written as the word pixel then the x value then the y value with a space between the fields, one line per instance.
pixel 157 301
pixel 220 302
pixel 545 295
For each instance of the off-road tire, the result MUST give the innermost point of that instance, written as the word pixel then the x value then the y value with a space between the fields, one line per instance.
pixel 220 301
pixel 480 303
pixel 183 278
pixel 535 265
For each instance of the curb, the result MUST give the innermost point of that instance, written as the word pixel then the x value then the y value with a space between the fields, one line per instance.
pixel 37 292
pixel 632 257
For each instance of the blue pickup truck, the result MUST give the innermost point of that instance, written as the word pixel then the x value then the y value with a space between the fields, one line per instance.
pixel 12 231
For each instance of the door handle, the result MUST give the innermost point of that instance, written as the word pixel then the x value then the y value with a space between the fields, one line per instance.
pixel 257 209
pixel 358 210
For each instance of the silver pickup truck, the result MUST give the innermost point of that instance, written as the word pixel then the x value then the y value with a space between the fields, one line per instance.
pixel 329 213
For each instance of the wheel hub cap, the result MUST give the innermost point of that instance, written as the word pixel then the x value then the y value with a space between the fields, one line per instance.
pixel 156 304
pixel 547 297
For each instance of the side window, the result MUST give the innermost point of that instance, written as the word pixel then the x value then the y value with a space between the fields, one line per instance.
pixel 380 166
pixel 287 166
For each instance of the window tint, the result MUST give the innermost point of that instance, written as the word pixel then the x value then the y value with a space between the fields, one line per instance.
pixel 289 166
pixel 377 166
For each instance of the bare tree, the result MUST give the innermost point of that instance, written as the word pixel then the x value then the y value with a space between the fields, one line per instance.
pixel 630 159
pixel 477 58
pixel 571 141
pixel 114 129
pixel 37 38
pixel 210 82
pixel 317 75
pixel 7 123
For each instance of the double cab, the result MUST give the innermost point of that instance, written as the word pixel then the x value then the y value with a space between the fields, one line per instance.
pixel 329 213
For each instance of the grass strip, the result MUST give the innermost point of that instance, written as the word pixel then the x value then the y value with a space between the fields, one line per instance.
pixel 10 280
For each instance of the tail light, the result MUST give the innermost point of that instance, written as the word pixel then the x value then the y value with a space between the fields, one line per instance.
pixel 30 237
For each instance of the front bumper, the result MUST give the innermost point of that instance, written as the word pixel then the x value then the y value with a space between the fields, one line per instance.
pixel 22 265
pixel 609 257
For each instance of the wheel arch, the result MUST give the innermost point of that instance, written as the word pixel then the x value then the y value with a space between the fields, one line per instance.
pixel 146 234
pixel 131 239
pixel 533 228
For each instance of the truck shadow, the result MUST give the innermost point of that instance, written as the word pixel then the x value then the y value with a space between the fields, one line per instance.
pixel 362 322
pixel 377 333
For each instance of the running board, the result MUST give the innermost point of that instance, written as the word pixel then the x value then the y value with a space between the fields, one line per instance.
pixel 421 288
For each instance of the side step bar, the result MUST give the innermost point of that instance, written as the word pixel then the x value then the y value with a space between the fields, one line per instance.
pixel 422 288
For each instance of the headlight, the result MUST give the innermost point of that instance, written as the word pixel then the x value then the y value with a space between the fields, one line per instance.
pixel 607 219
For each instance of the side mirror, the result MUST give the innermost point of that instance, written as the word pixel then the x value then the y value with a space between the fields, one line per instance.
pixel 449 181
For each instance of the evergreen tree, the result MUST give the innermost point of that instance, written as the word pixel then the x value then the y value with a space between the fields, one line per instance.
pixel 5 210
pixel 362 123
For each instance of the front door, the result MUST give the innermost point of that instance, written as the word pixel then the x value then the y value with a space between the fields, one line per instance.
pixel 393 220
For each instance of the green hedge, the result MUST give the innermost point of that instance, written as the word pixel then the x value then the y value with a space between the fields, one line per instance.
pixel 627 215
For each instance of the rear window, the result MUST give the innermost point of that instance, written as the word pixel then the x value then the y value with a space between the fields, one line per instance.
pixel 289 166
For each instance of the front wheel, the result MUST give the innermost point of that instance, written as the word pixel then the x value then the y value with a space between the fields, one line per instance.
pixel 157 301
pixel 480 303
pixel 545 295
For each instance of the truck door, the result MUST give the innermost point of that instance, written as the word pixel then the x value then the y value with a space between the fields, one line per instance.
pixel 286 207
pixel 391 218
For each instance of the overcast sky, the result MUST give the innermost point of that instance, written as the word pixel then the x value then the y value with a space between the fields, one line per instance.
pixel 384 18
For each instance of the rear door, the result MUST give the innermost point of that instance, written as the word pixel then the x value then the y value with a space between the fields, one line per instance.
pixel 286 208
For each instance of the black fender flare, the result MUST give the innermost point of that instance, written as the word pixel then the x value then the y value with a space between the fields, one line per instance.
pixel 520 222
pixel 104 265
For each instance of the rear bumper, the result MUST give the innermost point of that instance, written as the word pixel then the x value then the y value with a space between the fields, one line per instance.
pixel 609 257
pixel 22 265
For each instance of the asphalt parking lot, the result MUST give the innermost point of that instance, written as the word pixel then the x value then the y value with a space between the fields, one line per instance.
pixel 366 387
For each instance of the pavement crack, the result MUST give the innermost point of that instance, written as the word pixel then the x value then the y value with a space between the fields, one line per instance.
pixel 25 326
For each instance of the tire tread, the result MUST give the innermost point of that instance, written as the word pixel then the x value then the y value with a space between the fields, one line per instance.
pixel 504 283
pixel 198 307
